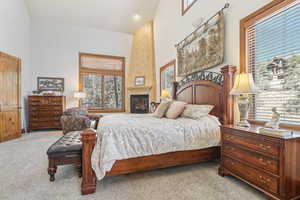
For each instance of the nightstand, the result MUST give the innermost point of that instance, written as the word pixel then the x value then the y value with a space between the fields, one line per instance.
pixel 270 164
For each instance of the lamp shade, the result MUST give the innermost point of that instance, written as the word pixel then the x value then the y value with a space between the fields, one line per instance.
pixel 244 84
pixel 165 94
pixel 79 95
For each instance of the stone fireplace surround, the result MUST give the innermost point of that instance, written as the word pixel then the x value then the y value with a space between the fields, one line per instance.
pixel 139 90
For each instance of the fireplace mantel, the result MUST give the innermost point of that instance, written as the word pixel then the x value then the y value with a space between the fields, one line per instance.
pixel 147 88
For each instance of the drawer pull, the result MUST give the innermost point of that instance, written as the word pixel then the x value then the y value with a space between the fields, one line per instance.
pixel 264 180
pixel 264 147
pixel 229 137
pixel 264 162
pixel 229 162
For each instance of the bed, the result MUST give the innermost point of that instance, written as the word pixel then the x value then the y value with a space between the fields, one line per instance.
pixel 199 88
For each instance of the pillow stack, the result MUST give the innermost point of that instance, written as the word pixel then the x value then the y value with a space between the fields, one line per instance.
pixel 174 109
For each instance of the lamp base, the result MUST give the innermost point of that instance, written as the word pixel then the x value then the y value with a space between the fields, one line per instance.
pixel 243 108
pixel 243 124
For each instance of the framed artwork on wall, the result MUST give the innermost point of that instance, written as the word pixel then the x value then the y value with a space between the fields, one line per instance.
pixel 50 84
pixel 139 80
pixel 186 5
pixel 167 76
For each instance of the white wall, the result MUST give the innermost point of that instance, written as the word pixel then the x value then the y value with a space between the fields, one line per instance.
pixel 55 51
pixel 170 27
pixel 15 38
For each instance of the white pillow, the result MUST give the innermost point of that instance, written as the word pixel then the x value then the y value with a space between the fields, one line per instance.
pixel 175 109
pixel 162 109
pixel 196 111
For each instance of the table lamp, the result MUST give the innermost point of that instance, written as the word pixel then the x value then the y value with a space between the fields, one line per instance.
pixel 80 96
pixel 165 95
pixel 243 86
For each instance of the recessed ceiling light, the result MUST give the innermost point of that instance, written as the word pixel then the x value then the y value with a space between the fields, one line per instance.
pixel 137 17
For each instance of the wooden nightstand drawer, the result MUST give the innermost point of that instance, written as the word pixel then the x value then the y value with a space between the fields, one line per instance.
pixel 255 159
pixel 263 146
pixel 262 180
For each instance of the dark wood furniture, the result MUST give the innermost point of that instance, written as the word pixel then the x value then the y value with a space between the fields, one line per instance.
pixel 270 164
pixel 45 112
pixel 198 88
pixel 67 150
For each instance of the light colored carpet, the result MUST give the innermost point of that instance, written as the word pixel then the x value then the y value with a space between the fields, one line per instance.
pixel 23 176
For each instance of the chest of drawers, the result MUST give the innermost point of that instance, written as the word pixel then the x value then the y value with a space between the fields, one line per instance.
pixel 270 164
pixel 45 112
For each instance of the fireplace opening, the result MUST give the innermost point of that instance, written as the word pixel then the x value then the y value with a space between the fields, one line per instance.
pixel 139 103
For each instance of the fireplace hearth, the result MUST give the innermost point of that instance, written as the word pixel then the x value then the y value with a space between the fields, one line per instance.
pixel 139 104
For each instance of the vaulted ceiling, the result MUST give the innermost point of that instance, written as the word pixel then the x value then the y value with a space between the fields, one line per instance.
pixel 114 15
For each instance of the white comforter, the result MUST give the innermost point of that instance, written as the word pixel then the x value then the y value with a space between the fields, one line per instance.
pixel 123 136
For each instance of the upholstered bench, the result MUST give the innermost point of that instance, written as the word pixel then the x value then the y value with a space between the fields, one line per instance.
pixel 67 150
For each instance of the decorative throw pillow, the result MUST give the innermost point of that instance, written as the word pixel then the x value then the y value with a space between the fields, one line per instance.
pixel 162 109
pixel 175 109
pixel 196 111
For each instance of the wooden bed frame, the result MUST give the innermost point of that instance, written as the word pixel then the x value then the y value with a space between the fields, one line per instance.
pixel 199 88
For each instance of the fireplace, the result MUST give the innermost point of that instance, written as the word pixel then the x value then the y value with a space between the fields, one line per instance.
pixel 139 103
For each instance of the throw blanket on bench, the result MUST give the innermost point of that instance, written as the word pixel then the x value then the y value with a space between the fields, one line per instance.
pixel 124 136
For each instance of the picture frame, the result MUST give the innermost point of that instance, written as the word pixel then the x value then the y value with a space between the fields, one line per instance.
pixel 139 81
pixel 168 76
pixel 50 84
pixel 186 5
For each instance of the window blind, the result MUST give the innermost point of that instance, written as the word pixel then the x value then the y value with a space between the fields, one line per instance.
pixel 273 56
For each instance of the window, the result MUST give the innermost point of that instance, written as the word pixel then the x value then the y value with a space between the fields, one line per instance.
pixel 186 5
pixel 167 76
pixel 102 79
pixel 272 54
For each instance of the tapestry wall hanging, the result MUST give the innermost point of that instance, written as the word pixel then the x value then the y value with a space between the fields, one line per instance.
pixel 204 48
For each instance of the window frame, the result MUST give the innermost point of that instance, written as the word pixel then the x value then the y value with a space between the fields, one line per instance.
pixel 245 23
pixel 184 10
pixel 103 72
pixel 172 63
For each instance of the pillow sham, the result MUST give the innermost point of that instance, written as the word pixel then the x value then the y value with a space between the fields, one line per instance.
pixel 196 111
pixel 175 110
pixel 162 109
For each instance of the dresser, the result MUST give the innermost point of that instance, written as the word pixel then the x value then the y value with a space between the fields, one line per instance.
pixel 270 164
pixel 45 112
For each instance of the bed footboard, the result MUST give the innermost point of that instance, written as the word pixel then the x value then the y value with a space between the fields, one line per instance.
pixel 88 185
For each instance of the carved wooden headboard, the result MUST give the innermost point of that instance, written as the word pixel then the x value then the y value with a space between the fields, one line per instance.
pixel 211 88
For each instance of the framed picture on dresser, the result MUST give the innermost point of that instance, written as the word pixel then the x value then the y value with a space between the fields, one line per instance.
pixel 167 76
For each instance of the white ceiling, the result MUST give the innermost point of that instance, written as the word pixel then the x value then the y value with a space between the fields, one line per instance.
pixel 114 15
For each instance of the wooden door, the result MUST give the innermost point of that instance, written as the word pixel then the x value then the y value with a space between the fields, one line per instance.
pixel 10 69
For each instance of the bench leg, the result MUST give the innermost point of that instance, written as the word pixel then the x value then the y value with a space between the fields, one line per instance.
pixel 52 169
